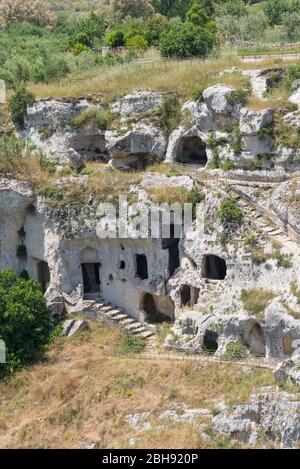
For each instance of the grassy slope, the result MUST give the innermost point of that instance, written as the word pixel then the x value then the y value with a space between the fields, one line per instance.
pixel 83 390
pixel 184 77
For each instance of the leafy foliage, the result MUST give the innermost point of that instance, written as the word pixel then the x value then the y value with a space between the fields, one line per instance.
pixel 18 105
pixel 25 321
pixel 185 40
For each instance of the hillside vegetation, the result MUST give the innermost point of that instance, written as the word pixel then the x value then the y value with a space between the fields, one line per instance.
pixel 86 386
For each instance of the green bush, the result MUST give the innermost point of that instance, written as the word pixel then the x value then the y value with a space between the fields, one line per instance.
pixel 132 345
pixel 93 117
pixel 170 114
pixel 137 43
pixel 230 213
pixel 25 321
pixel 18 105
pixel 115 39
pixel 235 351
pixel 256 300
pixel 186 40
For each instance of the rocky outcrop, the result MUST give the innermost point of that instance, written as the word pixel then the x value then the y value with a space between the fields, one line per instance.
pixel 140 101
pixel 285 203
pixel 133 148
pixel 270 418
pixel 74 326
pixel 55 303
pixel 288 371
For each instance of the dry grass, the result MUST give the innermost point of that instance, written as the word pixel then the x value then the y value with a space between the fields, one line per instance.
pixel 184 77
pixel 82 392
pixel 276 98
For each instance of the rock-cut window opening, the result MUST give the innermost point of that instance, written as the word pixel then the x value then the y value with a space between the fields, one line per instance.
pixel 141 266
pixel 213 267
pixel 189 295
pixel 210 341
pixel 43 273
pixel 91 277
pixel 192 150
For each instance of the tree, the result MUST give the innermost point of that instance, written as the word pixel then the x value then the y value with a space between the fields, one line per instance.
pixel 133 8
pixel 291 24
pixel 274 10
pixel 114 38
pixel 197 15
pixel 186 40
pixel 18 104
pixel 25 321
pixel 88 30
pixel 30 11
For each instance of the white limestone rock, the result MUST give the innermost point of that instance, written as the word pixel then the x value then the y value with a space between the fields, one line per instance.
pixel 277 414
pixel 137 102
pixel 215 97
pixel 295 98
pixel 73 326
pixel 55 302
pixel 75 160
pixel 252 122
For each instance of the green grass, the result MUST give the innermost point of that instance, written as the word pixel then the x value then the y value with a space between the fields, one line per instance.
pixel 256 300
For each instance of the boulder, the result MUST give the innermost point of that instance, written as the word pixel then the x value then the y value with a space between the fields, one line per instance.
pixel 73 326
pixel 215 98
pixel 295 98
pixel 252 122
pixel 138 142
pixel 138 102
pixel 75 160
pixel 55 302
pixel 273 414
pixel 288 371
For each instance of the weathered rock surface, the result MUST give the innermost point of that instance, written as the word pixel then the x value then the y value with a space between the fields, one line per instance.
pixel 139 101
pixel 75 160
pixel 252 122
pixel 269 418
pixel 288 371
pixel 73 326
pixel 55 302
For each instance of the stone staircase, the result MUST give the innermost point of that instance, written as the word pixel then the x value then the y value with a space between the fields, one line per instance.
pixel 96 309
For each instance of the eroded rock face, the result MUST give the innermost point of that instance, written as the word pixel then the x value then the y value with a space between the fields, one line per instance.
pixel 252 122
pixel 134 147
pixel 295 98
pixel 288 371
pixel 216 99
pixel 273 417
pixel 74 326
pixel 285 203
pixel 55 302
pixel 137 102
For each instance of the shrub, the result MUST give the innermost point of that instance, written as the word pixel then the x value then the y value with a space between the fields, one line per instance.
pixel 137 44
pixel 134 8
pixel 25 321
pixel 292 73
pixel 238 97
pixel 18 105
pixel 93 117
pixel 186 40
pixel 235 351
pixel 132 345
pixel 230 213
pixel 21 251
pixel 115 39
pixel 29 11
pixel 256 300
pixel 78 48
pixel 170 114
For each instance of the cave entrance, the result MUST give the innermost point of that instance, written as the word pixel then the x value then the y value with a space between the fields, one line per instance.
pixel 141 266
pixel 213 267
pixel 43 274
pixel 172 244
pixel 257 342
pixel 189 295
pixel 91 147
pixel 192 150
pixel 210 341
pixel 287 345
pixel 91 277
pixel 153 315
